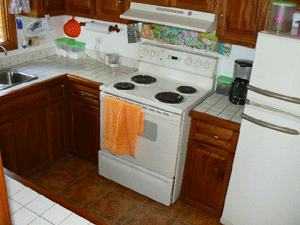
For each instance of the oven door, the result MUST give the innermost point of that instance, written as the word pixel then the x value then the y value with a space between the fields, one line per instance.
pixel 157 148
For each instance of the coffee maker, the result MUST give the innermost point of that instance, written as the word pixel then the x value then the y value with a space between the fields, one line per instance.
pixel 241 76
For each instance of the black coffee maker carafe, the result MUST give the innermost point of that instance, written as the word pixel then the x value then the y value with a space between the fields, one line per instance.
pixel 241 76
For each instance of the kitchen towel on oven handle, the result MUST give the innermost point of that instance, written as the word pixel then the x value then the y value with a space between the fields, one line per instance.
pixel 122 123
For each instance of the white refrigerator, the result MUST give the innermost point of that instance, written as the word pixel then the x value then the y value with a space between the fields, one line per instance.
pixel 264 187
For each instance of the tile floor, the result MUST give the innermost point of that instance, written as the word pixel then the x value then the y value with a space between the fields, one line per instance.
pixel 27 207
pixel 77 181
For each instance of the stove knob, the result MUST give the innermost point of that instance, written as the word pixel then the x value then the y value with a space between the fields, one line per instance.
pixel 188 61
pixel 198 63
pixel 152 53
pixel 145 51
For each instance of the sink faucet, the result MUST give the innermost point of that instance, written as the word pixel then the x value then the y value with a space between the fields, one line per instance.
pixel 5 51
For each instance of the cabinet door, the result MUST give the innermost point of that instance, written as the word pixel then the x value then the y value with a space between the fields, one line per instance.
pixel 240 20
pixel 55 7
pixel 206 177
pixel 59 129
pixel 34 141
pixel 109 10
pixel 85 130
pixel 8 147
pixel 199 5
pixel 151 2
pixel 4 209
pixel 79 7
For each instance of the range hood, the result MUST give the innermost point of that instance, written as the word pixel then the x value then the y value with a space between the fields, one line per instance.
pixel 175 17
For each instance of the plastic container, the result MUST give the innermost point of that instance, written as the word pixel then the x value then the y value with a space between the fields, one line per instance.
pixel 76 49
pixel 223 85
pixel 62 46
pixel 281 16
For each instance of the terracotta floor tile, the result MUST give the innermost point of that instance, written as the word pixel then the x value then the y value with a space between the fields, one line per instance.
pixel 55 179
pixel 130 193
pixel 83 192
pixel 150 216
pixel 196 216
pixel 174 210
pixel 97 178
pixel 115 207
pixel 78 165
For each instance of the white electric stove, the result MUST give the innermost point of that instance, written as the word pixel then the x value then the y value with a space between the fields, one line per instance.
pixel 168 84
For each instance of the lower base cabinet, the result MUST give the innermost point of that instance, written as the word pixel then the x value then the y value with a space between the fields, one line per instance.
pixel 85 130
pixel 34 141
pixel 209 159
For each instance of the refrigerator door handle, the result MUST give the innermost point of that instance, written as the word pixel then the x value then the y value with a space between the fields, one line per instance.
pixel 248 102
pixel 270 125
pixel 274 94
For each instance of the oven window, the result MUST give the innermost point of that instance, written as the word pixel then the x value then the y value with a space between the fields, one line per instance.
pixel 150 130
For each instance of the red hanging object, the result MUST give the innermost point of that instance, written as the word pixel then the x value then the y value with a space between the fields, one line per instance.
pixel 72 28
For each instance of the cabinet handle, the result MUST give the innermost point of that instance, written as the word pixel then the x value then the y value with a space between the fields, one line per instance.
pixel 211 135
pixel 222 16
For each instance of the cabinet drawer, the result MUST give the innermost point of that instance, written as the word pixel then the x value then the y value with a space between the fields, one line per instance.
pixel 24 105
pixel 58 92
pixel 213 135
pixel 85 94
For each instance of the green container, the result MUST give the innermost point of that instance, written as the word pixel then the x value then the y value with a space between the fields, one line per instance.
pixel 62 43
pixel 76 49
pixel 223 85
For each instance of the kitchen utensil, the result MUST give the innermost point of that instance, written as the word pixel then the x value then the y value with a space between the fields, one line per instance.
pixel 72 28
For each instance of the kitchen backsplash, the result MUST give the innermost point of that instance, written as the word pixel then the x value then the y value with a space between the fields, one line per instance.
pixel 113 42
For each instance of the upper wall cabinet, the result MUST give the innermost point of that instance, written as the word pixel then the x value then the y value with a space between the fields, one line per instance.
pixel 80 8
pixel 52 7
pixel 151 2
pixel 109 10
pixel 198 5
pixel 239 21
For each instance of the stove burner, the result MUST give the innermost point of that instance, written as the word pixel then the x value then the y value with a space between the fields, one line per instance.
pixel 169 97
pixel 124 86
pixel 143 79
pixel 186 89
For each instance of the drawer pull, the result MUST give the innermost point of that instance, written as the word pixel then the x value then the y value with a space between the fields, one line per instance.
pixel 87 95
pixel 211 135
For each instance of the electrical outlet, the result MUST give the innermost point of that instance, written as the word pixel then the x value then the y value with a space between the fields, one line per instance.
pixel 99 40
pixel 32 41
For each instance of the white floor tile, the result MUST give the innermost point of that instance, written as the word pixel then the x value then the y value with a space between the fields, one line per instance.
pixel 13 187
pixel 13 206
pixel 23 217
pixel 56 214
pixel 40 205
pixel 74 219
pixel 7 178
pixel 25 196
pixel 40 221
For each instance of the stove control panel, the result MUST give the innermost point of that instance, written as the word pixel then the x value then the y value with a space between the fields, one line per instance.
pixel 177 59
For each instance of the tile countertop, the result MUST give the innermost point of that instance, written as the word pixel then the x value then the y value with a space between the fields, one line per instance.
pixel 53 66
pixel 218 105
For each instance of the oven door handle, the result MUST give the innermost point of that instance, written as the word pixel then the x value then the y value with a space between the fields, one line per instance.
pixel 172 118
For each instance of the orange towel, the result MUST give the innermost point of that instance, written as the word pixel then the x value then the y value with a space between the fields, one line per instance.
pixel 122 123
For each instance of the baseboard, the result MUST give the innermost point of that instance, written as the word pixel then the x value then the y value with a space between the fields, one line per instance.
pixel 225 222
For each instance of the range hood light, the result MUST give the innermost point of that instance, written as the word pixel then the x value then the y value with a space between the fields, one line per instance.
pixel 175 17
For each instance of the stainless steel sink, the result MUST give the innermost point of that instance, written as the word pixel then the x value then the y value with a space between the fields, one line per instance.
pixel 11 77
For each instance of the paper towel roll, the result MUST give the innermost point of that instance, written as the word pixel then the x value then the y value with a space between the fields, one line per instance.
pixel 97 27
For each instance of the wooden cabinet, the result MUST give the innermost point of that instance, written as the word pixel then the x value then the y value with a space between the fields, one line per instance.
pixel 59 120
pixel 80 8
pixel 212 143
pixel 4 209
pixel 38 8
pixel 109 10
pixel 33 141
pixel 26 139
pixel 240 21
pixel 198 5
pixel 151 2
pixel 85 118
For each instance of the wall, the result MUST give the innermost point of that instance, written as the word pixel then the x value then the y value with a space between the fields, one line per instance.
pixel 115 42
